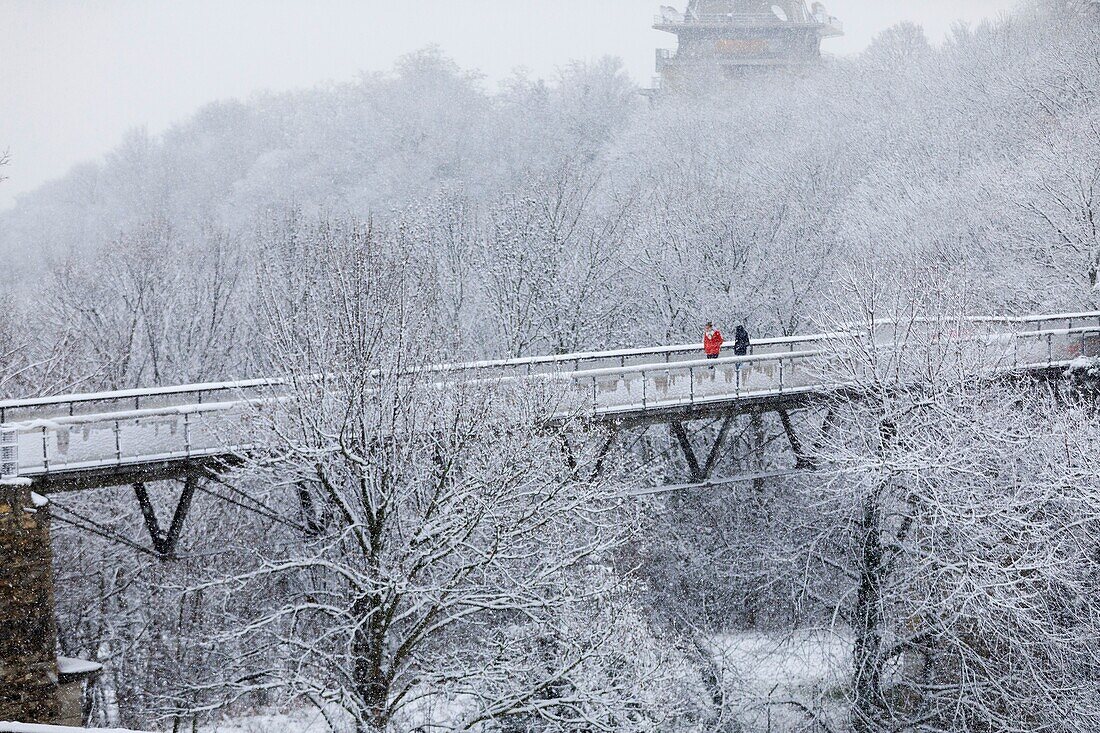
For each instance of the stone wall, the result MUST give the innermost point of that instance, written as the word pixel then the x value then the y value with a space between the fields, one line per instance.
pixel 28 636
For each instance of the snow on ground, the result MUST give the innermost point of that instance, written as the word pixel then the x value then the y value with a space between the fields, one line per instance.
pixel 764 673
pixel 769 675
pixel 305 721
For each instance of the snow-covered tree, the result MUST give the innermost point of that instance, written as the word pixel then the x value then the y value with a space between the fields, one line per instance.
pixel 443 520
pixel 964 502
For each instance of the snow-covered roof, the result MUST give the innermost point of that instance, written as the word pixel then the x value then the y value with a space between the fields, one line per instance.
pixel 71 666
pixel 9 727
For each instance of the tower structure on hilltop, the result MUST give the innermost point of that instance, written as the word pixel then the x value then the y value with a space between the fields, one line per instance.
pixel 729 39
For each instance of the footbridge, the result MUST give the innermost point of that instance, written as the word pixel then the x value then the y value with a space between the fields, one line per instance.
pixel 131 437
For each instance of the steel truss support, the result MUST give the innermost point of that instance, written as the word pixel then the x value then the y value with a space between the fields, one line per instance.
pixel 166 540
pixel 598 463
pixel 801 459
pixel 702 472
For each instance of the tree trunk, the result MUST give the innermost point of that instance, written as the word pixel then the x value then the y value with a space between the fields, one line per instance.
pixel 867 622
pixel 371 684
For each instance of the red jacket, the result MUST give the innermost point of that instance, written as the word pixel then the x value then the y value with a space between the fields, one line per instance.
pixel 713 344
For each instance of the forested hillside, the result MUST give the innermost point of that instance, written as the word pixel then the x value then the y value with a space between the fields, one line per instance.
pixel 630 222
pixel 424 216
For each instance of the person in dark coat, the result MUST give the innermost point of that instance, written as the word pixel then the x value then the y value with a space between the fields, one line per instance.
pixel 741 341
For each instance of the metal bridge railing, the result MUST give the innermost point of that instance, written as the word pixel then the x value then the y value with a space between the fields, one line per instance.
pixel 149 435
pixel 189 394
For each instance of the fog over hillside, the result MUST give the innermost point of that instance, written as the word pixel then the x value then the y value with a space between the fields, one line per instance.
pixel 987 113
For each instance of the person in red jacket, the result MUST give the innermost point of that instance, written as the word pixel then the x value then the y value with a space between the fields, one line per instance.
pixel 712 342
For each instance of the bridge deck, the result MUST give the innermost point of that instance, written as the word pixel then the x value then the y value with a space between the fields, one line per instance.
pixel 78 441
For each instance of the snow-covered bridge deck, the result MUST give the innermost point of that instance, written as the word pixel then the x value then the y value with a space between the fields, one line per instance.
pixel 72 441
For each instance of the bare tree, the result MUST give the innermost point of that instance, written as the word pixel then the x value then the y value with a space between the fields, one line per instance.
pixel 1064 198
pixel 962 500
pixel 448 536
pixel 149 308
pixel 551 266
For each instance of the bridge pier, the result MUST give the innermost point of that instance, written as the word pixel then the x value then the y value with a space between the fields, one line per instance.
pixel 29 690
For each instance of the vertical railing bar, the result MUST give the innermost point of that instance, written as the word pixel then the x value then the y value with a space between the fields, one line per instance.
pixel 45 450
pixel 691 385
pixel 595 399
pixel 643 390
pixel 118 442
pixel 187 434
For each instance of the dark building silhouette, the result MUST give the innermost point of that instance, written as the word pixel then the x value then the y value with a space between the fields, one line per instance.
pixel 729 39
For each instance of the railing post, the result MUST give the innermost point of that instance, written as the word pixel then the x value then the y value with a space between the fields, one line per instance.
pixel 691 385
pixel 780 375
pixel 595 399
pixel 45 450
pixel 643 390
pixel 1050 349
pixel 118 442
pixel 9 453
pixel 737 381
pixel 187 433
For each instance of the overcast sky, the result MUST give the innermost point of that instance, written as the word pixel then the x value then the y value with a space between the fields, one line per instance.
pixel 76 74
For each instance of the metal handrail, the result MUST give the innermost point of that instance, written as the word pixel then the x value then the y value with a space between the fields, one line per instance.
pixel 525 363
pixel 218 390
pixel 622 394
